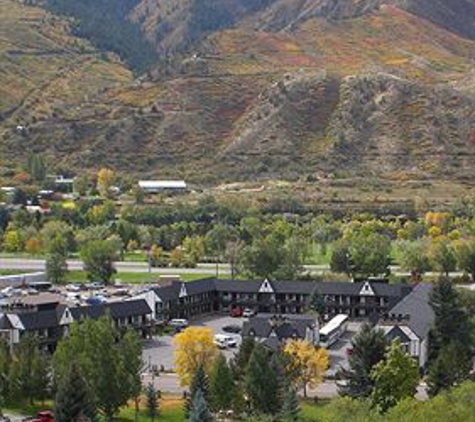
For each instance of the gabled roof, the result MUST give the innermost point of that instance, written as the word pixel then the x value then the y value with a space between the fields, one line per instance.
pixel 40 320
pixel 237 286
pixel 266 287
pixel 208 285
pixel 416 305
pixel 395 332
pixel 291 326
pixel 10 322
pixel 125 309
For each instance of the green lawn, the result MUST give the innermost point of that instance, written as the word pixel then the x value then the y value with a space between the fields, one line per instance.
pixel 171 410
pixel 313 412
pixel 12 272
pixel 318 256
pixel 136 278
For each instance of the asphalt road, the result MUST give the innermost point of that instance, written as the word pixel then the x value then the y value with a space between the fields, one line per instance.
pixel 26 264
pixel 126 267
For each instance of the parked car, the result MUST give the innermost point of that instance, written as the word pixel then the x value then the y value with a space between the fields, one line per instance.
pixel 178 323
pixel 248 312
pixel 235 329
pixel 96 300
pixel 236 312
pixel 43 416
pixel 224 341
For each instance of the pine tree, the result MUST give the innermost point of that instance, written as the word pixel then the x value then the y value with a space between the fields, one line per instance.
pixel 451 322
pixel 261 383
pixel 241 359
pixel 199 409
pixel 152 401
pixel 73 400
pixel 290 405
pixel 452 366
pixel 369 346
pixel 450 352
pixel 222 386
pixel 200 382
pixel 317 304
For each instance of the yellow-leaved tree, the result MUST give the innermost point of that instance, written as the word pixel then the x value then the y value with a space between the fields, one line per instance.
pixel 194 346
pixel 105 178
pixel 307 363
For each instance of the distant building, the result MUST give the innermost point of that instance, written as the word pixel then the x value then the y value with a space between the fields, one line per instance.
pixel 358 300
pixel 158 186
pixel 62 183
pixel 47 318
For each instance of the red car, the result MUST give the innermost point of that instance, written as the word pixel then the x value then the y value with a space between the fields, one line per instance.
pixel 43 416
pixel 236 312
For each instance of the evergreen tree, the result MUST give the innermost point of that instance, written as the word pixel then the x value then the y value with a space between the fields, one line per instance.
pixel 368 346
pixel 29 372
pixel 131 355
pixel 241 359
pixel 290 405
pixel 452 366
pixel 451 322
pixel 101 357
pixel 199 409
pixel 73 400
pixel 317 304
pixel 199 382
pixel 261 383
pixel 152 401
pixel 222 386
pixel 5 364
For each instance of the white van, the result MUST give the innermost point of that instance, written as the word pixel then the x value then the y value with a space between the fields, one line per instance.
pixel 178 323
pixel 224 341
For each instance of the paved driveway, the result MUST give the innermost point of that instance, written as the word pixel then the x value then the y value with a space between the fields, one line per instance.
pixel 339 350
pixel 159 351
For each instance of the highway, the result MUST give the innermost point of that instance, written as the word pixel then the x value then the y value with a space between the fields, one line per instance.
pixel 26 264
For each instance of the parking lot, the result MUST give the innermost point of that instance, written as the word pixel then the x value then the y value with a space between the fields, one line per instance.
pixel 159 351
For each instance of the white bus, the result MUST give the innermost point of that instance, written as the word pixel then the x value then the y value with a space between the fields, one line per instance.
pixel 333 330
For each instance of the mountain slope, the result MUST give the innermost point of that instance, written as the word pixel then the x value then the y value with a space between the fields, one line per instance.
pixel 338 87
pixel 43 67
pixel 177 25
